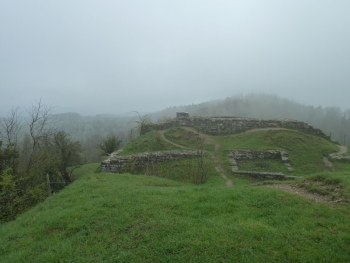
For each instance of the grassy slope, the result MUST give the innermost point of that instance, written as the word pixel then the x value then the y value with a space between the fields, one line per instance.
pixel 126 218
pixel 150 142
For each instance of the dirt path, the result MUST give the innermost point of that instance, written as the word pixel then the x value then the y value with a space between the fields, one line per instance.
pixel 327 162
pixel 264 129
pixel 214 156
pixel 217 147
pixel 171 142
pixel 342 149
pixel 218 166
pixel 294 189
pixel 207 138
pixel 302 192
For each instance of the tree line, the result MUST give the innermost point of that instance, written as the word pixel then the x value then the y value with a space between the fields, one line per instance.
pixel 36 156
pixel 331 120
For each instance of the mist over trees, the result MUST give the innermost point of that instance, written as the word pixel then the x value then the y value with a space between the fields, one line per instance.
pixel 332 120
pixel 41 146
pixel 40 160
pixel 91 130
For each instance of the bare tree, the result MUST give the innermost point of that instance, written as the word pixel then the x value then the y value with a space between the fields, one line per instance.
pixel 141 121
pixel 40 128
pixel 10 126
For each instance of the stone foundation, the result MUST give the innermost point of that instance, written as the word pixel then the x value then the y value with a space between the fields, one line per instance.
pixel 338 156
pixel 244 154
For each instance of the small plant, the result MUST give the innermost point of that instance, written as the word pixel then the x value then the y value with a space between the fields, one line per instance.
pixel 109 145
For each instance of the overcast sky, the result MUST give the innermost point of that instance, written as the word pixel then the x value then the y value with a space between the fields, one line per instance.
pixel 115 56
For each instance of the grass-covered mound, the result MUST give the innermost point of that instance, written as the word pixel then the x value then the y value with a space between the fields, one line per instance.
pixel 128 218
pixel 189 138
pixel 305 151
pixel 149 142
pixel 197 169
pixel 183 137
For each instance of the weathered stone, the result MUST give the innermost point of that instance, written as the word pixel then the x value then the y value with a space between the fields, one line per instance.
pixel 338 156
pixel 264 175
pixel 232 162
pixel 234 168
pixel 244 154
pixel 231 125
pixel 118 164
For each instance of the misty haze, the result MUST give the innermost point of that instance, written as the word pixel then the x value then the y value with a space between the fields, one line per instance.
pixel 182 131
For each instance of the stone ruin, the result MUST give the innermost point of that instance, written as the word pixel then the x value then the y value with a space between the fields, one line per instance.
pixel 120 164
pixel 244 154
pixel 231 125
pixel 214 126
pixel 182 115
pixel 340 157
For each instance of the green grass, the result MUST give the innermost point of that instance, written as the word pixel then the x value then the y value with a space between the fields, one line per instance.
pixel 340 165
pixel 262 165
pixel 129 218
pixel 150 142
pixel 139 218
pixel 335 185
pixel 186 170
pixel 183 137
pixel 187 138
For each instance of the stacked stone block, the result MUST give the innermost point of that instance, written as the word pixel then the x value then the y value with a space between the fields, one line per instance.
pixel 231 125
pixel 121 164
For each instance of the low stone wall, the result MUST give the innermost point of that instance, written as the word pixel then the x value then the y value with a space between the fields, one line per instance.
pixel 231 125
pixel 245 154
pixel 121 164
pixel 267 175
pixel 338 156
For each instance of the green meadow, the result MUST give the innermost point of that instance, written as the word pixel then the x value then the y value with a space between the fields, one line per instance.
pixel 166 218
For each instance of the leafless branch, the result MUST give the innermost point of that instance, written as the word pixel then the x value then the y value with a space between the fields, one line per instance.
pixel 11 126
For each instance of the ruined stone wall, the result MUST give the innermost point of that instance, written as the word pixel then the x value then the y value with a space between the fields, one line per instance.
pixel 244 154
pixel 231 125
pixel 121 164
pixel 340 157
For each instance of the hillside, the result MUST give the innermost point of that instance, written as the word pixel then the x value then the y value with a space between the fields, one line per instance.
pixel 137 218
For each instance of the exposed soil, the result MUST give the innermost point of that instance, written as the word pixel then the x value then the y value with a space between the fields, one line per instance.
pixel 218 166
pixel 342 149
pixel 264 129
pixel 293 189
pixel 327 162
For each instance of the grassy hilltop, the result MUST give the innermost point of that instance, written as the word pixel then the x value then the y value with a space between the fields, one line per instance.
pixel 137 218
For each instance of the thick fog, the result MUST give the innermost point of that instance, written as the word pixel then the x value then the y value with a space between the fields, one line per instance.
pixel 96 57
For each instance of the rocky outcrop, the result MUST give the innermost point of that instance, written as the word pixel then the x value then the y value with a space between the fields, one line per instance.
pixel 121 164
pixel 231 125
